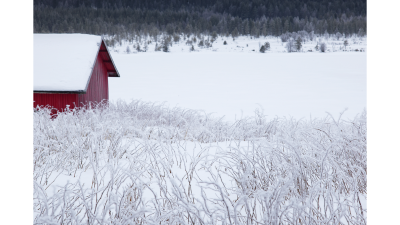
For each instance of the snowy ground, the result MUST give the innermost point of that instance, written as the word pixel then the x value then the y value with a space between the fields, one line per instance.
pixel 142 163
pixel 233 80
pixel 139 162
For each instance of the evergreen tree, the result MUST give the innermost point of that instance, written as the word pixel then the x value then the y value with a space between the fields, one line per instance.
pixel 338 35
pixel 262 49
pixel 322 48
pixel 272 27
pixel 345 43
pixel 298 44
pixel 214 35
pixel 165 45
pixel 125 18
pixel 235 33
pixel 286 27
pixel 201 44
pixel 361 32
pixel 138 49
pixel 264 30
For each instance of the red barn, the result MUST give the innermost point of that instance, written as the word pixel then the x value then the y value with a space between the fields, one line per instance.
pixel 71 69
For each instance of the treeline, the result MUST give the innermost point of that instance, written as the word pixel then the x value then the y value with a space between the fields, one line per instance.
pixel 251 17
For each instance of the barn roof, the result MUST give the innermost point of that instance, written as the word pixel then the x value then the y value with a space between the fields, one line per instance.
pixel 63 63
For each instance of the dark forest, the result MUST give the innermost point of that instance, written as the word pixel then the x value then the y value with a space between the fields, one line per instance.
pixel 256 18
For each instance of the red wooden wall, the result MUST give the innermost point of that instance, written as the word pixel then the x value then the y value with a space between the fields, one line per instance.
pixel 98 84
pixel 58 101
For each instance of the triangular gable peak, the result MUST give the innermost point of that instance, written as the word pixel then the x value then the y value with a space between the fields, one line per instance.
pixel 64 63
pixel 105 55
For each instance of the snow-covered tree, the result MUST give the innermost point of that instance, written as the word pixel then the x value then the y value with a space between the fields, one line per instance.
pixel 290 46
pixel 262 49
pixel 138 47
pixel 298 44
pixel 235 33
pixel 165 46
pixel 166 43
pixel 201 44
pixel 145 47
pixel 361 32
pixel 338 35
pixel 345 43
pixel 267 46
pixel 322 48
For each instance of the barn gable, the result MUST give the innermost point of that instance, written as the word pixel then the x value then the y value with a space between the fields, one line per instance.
pixel 64 63
pixel 71 70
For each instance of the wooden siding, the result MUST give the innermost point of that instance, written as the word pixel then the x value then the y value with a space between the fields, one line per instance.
pixel 98 85
pixel 57 101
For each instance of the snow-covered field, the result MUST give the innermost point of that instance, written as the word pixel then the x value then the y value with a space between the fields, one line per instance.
pixel 267 162
pixel 233 81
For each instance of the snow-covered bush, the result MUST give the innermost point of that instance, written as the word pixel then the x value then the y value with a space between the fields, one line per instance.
pixel 322 47
pixel 290 45
pixel 285 37
pixel 144 163
pixel 262 49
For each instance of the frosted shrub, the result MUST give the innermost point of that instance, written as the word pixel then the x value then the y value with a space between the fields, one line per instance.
pixel 323 47
pixel 290 45
pixel 144 163
pixel 285 37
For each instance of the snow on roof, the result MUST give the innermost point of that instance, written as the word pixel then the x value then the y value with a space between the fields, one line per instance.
pixel 63 62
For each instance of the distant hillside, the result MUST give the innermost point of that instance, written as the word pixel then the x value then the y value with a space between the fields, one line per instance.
pixel 224 17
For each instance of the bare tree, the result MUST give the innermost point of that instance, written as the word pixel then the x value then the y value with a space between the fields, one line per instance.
pixel 290 45
pixel 345 43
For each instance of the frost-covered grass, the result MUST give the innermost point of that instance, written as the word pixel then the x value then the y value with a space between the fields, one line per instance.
pixel 145 163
